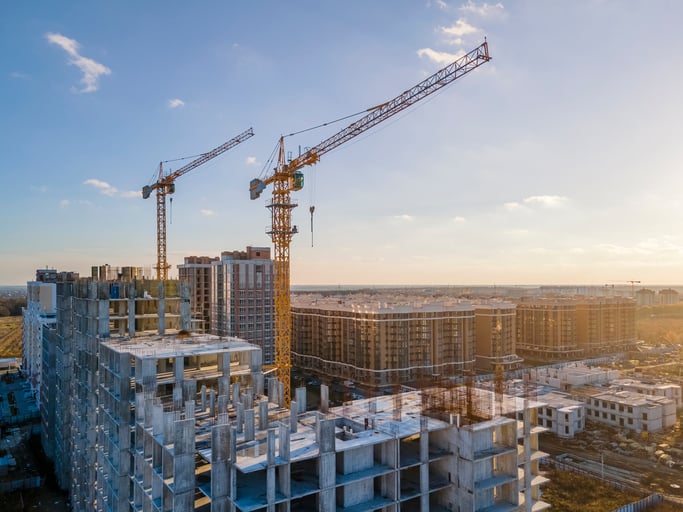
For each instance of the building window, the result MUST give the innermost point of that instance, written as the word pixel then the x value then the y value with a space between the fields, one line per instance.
pixel 645 416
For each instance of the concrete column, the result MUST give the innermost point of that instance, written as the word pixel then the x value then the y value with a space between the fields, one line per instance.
pixel 103 318
pixel 220 467
pixel 179 368
pixel 327 466
pixel 189 389
pixel 249 424
pixel 284 473
pixel 271 484
pixel 301 399
pixel 131 309
pixel 224 386
pixel 424 464
pixel 280 394
pixel 324 398
pixel 272 390
pixel 239 409
pixel 185 312
pixel 284 442
pixel 257 379
pixel 212 403
pixel 222 404
pixel 293 416
pixel 236 393
pixel 203 397
pixel 183 463
pixel 189 409
pixel 263 414
pixel 248 398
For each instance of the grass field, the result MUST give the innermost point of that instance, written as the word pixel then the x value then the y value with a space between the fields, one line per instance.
pixel 10 336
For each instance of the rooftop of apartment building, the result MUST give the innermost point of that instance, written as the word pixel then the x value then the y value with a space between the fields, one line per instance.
pixel 628 398
pixel 380 303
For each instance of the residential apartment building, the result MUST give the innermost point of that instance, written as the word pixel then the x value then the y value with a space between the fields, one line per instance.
pixel 646 297
pixel 38 315
pixel 495 336
pixel 605 325
pixel 564 328
pixel 196 271
pixel 546 328
pixel 668 296
pixel 380 343
pixel 242 298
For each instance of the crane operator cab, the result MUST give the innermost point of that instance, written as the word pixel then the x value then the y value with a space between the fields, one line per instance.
pixel 296 182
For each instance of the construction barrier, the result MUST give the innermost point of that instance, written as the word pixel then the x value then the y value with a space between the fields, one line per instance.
pixel 641 505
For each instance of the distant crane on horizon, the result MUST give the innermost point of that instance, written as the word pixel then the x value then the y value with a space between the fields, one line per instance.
pixel 166 185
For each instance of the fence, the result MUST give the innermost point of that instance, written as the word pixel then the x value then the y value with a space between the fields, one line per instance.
pixel 641 505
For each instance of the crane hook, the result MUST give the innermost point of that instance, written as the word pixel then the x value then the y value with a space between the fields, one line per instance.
pixel 311 209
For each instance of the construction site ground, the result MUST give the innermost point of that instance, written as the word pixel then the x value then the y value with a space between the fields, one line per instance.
pixel 607 453
pixel 10 336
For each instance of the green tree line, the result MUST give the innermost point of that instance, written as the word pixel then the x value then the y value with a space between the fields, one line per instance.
pixel 11 306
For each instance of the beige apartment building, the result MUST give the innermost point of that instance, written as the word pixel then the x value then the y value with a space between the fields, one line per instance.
pixel 605 324
pixel 197 272
pixel 495 335
pixel 566 328
pixel 367 339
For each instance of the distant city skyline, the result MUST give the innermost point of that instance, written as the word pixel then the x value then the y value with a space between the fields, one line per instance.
pixel 556 162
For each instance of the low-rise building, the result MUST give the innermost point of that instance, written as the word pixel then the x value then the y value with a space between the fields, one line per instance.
pixel 562 415
pixel 651 388
pixel 630 410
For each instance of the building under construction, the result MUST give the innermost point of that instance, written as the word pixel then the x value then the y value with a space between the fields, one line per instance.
pixel 571 328
pixel 140 415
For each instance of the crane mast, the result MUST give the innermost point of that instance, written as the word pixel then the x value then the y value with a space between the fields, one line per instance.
pixel 288 177
pixel 166 185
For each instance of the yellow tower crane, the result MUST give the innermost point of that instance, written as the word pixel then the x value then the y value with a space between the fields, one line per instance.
pixel 287 177
pixel 166 185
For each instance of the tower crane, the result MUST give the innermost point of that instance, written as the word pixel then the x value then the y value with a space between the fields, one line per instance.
pixel 166 185
pixel 287 177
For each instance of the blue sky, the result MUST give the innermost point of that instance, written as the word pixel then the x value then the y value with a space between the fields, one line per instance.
pixel 556 162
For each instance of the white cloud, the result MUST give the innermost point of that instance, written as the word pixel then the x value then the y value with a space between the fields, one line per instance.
pixel 208 213
pixel 484 10
pixel 104 187
pixel 442 58
pixel 108 190
pixel 91 69
pixel 405 217
pixel 459 29
pixel 19 75
pixel 251 160
pixel 64 203
pixel 513 205
pixel 41 188
pixel 546 201
pixel 441 4
pixel 459 220
pixel 175 103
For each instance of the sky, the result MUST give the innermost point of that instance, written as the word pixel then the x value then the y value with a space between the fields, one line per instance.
pixel 557 162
